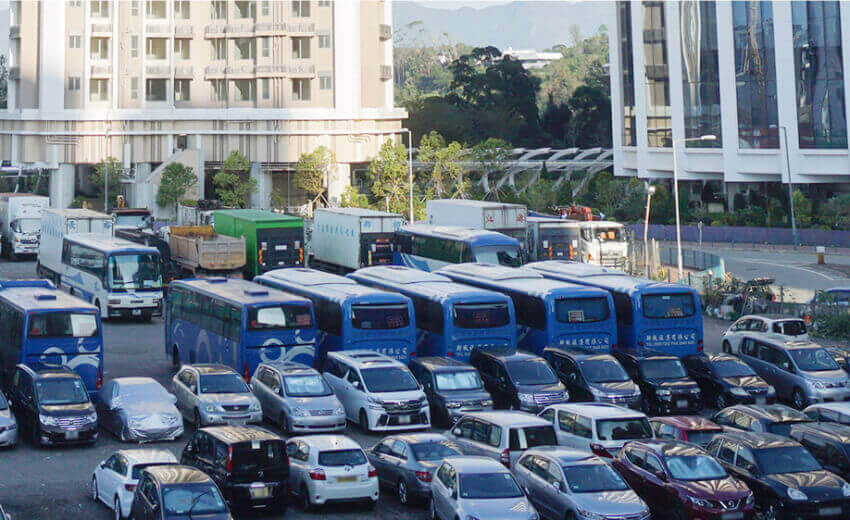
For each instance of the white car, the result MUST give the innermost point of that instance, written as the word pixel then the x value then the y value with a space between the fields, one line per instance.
pixel 777 326
pixel 114 480
pixel 330 468
pixel 838 412
pixel 600 428
pixel 378 393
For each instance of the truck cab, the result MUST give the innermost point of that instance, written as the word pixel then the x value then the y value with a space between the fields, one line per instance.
pixel 20 222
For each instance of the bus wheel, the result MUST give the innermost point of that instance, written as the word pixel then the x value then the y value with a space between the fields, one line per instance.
pixel 364 421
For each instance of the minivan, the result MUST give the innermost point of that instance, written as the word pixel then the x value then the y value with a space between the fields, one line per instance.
pixel 453 388
pixel 501 435
pixel 518 380
pixel 601 428
pixel 593 376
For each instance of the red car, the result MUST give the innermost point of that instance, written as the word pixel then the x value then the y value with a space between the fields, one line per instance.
pixel 681 481
pixel 689 428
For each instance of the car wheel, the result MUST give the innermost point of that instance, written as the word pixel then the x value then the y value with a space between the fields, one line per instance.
pixel 94 493
pixel 306 505
pixel 284 424
pixel 401 490
pixel 720 402
pixel 364 421
pixel 798 399
pixel 116 509
pixel 199 423
pixel 727 348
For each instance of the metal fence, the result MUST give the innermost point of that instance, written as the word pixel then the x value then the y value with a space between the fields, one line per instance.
pixel 698 265
pixel 745 235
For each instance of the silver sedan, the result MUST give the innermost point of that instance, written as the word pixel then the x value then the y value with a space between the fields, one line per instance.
pixel 139 409
pixel 8 425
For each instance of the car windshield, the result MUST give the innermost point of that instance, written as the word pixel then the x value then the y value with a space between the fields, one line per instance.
pixel 389 379
pixel 61 391
pixel 434 450
pixel 342 458
pixel 787 459
pixel 702 437
pixel 458 380
pixel 481 315
pixel 581 310
pixel 27 225
pixel 531 372
pixel 603 371
pixel 63 324
pixel 503 255
pixel 695 467
pixel 674 305
pixel 223 384
pixel 593 478
pixel 813 359
pixel 488 485
pixel 732 368
pixel 134 271
pixel 3 403
pixel 195 499
pixel 623 429
pixel 662 369
pixel 380 317
pixel 278 317
pixel 790 327
pixel 308 385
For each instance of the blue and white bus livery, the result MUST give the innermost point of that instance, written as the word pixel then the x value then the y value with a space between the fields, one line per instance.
pixel 428 248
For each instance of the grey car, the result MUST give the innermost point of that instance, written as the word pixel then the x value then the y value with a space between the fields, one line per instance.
pixel 215 394
pixel 297 398
pixel 8 425
pixel 453 388
pixel 566 483
pixel 406 463
pixel 477 487
pixel 139 409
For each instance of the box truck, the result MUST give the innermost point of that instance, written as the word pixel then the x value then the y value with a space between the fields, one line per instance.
pixel 55 224
pixel 201 252
pixel 508 219
pixel 598 242
pixel 346 239
pixel 20 223
pixel 272 240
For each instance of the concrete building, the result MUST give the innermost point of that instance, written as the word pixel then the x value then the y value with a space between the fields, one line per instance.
pixel 748 72
pixel 154 81
pixel 532 59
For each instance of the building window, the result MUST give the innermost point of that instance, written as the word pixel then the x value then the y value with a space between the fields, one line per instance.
pixel 75 41
pixel 219 89
pixel 183 9
pixel 266 88
pixel 134 46
pixel 134 8
pixel 74 83
pixel 219 9
pixel 76 3
pixel 819 74
pixel 246 9
pixel 301 89
pixel 700 72
pixel 156 48
pixel 326 81
pixel 100 8
pixel 181 90
pixel 134 87
pixel 181 49
pixel 301 8
pixel 100 48
pixel 246 90
pixel 99 90
pixel 266 9
pixel 658 120
pixel 266 47
pixel 624 22
pixel 324 40
pixel 301 48
pixel 156 9
pixel 324 3
pixel 156 89
pixel 246 48
pixel 219 49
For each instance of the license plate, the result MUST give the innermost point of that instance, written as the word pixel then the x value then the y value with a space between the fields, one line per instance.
pixel 404 419
pixel 72 435
pixel 732 516
pixel 829 511
pixel 346 479
pixel 682 403
pixel 137 312
pixel 761 400
pixel 259 491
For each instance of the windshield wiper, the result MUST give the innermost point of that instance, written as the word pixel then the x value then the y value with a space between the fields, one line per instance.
pixel 195 502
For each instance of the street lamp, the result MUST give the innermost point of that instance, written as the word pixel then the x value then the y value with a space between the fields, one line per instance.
pixel 410 168
pixel 790 188
pixel 709 137
pixel 650 191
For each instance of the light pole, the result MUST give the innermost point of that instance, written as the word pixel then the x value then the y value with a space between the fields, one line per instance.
pixel 410 168
pixel 676 196
pixel 650 190
pixel 790 188
pixel 106 176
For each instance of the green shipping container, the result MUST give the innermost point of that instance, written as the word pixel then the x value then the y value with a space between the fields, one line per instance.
pixel 272 240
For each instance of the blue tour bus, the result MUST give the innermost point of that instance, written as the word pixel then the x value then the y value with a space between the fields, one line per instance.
pixel 548 312
pixel 452 318
pixel 428 248
pixel 651 315
pixel 237 323
pixel 350 316
pixel 45 327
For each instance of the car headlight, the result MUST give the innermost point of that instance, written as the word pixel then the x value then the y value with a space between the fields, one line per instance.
pixel 590 515
pixel 845 490
pixel 664 393
pixel 796 494
pixel 339 410
pixel 211 408
pixel 255 407
pixel 750 499
pixel 374 404
pixel 771 390
pixel 299 412
pixel 48 420
pixel 701 502
pixel 525 398
pixel 453 404
pixel 740 392
pixel 92 417
pixel 818 384
pixel 695 391
pixel 487 402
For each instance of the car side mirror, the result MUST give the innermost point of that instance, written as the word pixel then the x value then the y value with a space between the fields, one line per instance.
pixel 356 384
pixel 572 377
pixel 427 386
pixel 559 486
pixel 456 432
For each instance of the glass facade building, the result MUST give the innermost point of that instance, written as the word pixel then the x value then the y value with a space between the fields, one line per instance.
pixel 700 74
pixel 624 23
pixel 658 113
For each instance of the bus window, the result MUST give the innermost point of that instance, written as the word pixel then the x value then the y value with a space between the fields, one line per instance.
pixel 676 305
pixel 501 255
pixel 581 310
pixel 134 271
pixel 63 325
pixel 87 259
pixel 279 317
pixel 481 316
pixel 379 317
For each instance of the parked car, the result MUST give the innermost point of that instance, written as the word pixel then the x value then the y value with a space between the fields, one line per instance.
pixel 479 488
pixel 841 356
pixel 297 398
pixel 377 392
pixel 679 480
pixel 518 380
pixel 330 468
pixel 215 394
pixel 724 379
pixel 664 383
pixel 177 493
pixel 8 425
pixel 453 388
pixel 248 464
pixel 601 428
pixel 771 418
pixel 839 296
pixel 784 477
pixel 114 480
pixel 829 443
pixel 567 483
pixel 829 412
pixel 593 377
pixel 778 326
pixel 501 435
pixel 52 406
pixel 139 409
pixel 689 428
pixel 4 515
pixel 406 463
pixel 802 373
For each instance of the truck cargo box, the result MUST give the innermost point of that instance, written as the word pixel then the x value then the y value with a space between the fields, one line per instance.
pixel 346 239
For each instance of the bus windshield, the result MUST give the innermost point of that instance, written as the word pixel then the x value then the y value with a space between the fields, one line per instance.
pixel 502 255
pixel 379 317
pixel 279 317
pixel 581 310
pixel 63 324
pixel 481 316
pixel 674 305
pixel 593 233
pixel 134 271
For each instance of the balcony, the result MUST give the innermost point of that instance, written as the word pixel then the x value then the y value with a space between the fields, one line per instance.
pixel 386 72
pixel 240 71
pixel 269 29
pixel 184 72
pixel 101 29
pixel 214 72
pixel 301 29
pixel 158 71
pixel 301 70
pixel 385 31
pixel 239 30
pixel 271 71
pixel 15 32
pixel 214 31
pixel 184 31
pixel 158 29
pixel 101 71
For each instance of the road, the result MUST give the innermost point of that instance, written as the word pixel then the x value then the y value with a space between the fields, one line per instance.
pixel 54 483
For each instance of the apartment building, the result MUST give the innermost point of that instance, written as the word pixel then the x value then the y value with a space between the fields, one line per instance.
pixel 154 81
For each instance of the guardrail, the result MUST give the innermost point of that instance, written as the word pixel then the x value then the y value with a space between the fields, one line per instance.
pixel 746 235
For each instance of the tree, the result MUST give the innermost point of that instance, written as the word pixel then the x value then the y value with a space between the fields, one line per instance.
pixel 233 182
pixel 312 171
pixel 4 81
pixel 447 171
pixel 176 180
pixel 802 209
pixel 590 125
pixel 835 212
pixel 388 173
pixel 556 120
pixel 98 178
pixel 352 198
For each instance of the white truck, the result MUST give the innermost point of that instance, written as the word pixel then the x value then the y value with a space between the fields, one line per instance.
pixel 55 224
pixel 20 222
pixel 508 219
pixel 346 239
pixel 598 242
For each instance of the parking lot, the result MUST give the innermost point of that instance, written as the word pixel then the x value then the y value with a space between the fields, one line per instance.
pixel 54 483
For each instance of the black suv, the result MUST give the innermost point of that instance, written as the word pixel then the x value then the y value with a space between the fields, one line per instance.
pixel 177 492
pixel 518 380
pixel 592 376
pixel 724 379
pixel 664 383
pixel 52 406
pixel 829 443
pixel 771 418
pixel 248 463
pixel 452 387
